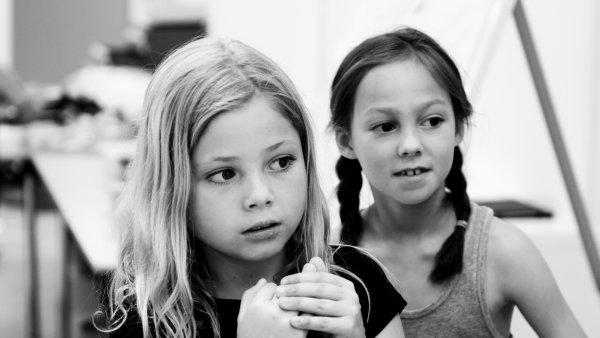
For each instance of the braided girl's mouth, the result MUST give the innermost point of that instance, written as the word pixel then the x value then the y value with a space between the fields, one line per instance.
pixel 412 171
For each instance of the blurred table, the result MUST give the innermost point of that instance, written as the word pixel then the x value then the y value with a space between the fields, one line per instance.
pixel 80 187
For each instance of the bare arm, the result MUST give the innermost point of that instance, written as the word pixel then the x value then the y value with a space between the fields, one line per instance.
pixel 393 329
pixel 522 277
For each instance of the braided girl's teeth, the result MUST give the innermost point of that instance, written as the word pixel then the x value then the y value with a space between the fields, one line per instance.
pixel 411 172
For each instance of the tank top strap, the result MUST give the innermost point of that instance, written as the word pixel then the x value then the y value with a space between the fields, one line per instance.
pixel 483 218
pixel 461 309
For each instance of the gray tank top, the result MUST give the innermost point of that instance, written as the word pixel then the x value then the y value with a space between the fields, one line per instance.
pixel 461 310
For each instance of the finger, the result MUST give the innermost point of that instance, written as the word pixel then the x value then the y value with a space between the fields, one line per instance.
pixel 317 307
pixel 308 267
pixel 316 277
pixel 249 294
pixel 316 290
pixel 319 264
pixel 335 326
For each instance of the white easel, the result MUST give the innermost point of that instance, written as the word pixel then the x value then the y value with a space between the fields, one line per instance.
pixel 541 87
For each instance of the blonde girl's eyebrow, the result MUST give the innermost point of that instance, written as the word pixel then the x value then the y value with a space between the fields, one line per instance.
pixel 282 143
pixel 229 159
pixel 200 166
pixel 222 159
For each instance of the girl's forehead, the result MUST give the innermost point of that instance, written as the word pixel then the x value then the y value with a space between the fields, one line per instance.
pixel 399 82
pixel 255 127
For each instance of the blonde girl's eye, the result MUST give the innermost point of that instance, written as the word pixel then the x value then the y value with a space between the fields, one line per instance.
pixel 384 127
pixel 222 176
pixel 282 163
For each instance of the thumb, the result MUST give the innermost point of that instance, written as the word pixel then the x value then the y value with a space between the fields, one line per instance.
pixel 309 267
pixel 248 295
pixel 319 264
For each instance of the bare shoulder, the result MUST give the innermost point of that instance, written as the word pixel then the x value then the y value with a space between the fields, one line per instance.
pixel 513 258
pixel 519 275
pixel 507 242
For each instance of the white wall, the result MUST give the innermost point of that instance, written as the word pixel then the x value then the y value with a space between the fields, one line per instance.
pixel 509 152
pixel 510 136
pixel 6 29
pixel 142 13
pixel 52 39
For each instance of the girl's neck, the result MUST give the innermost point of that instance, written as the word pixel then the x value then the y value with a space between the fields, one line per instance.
pixel 231 277
pixel 390 219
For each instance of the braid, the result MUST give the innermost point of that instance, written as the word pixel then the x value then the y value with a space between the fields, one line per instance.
pixel 449 260
pixel 457 184
pixel 348 190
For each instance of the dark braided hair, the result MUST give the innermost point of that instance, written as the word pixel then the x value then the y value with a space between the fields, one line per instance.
pixel 448 261
pixel 402 44
pixel 348 190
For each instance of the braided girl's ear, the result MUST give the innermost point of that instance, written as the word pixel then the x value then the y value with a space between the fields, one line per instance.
pixel 344 144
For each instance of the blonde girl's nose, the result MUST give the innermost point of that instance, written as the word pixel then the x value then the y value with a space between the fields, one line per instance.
pixel 258 193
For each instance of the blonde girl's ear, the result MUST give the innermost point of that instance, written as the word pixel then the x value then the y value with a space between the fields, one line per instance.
pixel 344 144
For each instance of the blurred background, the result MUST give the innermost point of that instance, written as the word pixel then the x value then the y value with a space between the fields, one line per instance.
pixel 73 75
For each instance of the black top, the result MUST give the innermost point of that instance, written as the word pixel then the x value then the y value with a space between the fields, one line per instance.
pixel 385 301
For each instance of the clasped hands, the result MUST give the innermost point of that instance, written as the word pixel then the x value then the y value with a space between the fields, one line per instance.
pixel 313 299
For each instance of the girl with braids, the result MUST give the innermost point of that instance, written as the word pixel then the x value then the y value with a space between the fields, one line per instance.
pixel 399 112
pixel 226 229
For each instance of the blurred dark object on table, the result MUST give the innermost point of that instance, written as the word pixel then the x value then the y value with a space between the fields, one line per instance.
pixel 66 108
pixel 150 46
pixel 163 37
pixel 507 208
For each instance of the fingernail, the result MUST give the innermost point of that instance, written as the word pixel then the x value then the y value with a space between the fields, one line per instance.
pixel 284 280
pixel 280 290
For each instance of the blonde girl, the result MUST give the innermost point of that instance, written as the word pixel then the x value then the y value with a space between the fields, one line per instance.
pixel 222 202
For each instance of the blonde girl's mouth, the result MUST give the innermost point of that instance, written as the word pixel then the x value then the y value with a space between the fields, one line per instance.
pixel 261 226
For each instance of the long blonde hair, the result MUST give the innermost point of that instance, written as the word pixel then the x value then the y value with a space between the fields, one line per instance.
pixel 195 83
